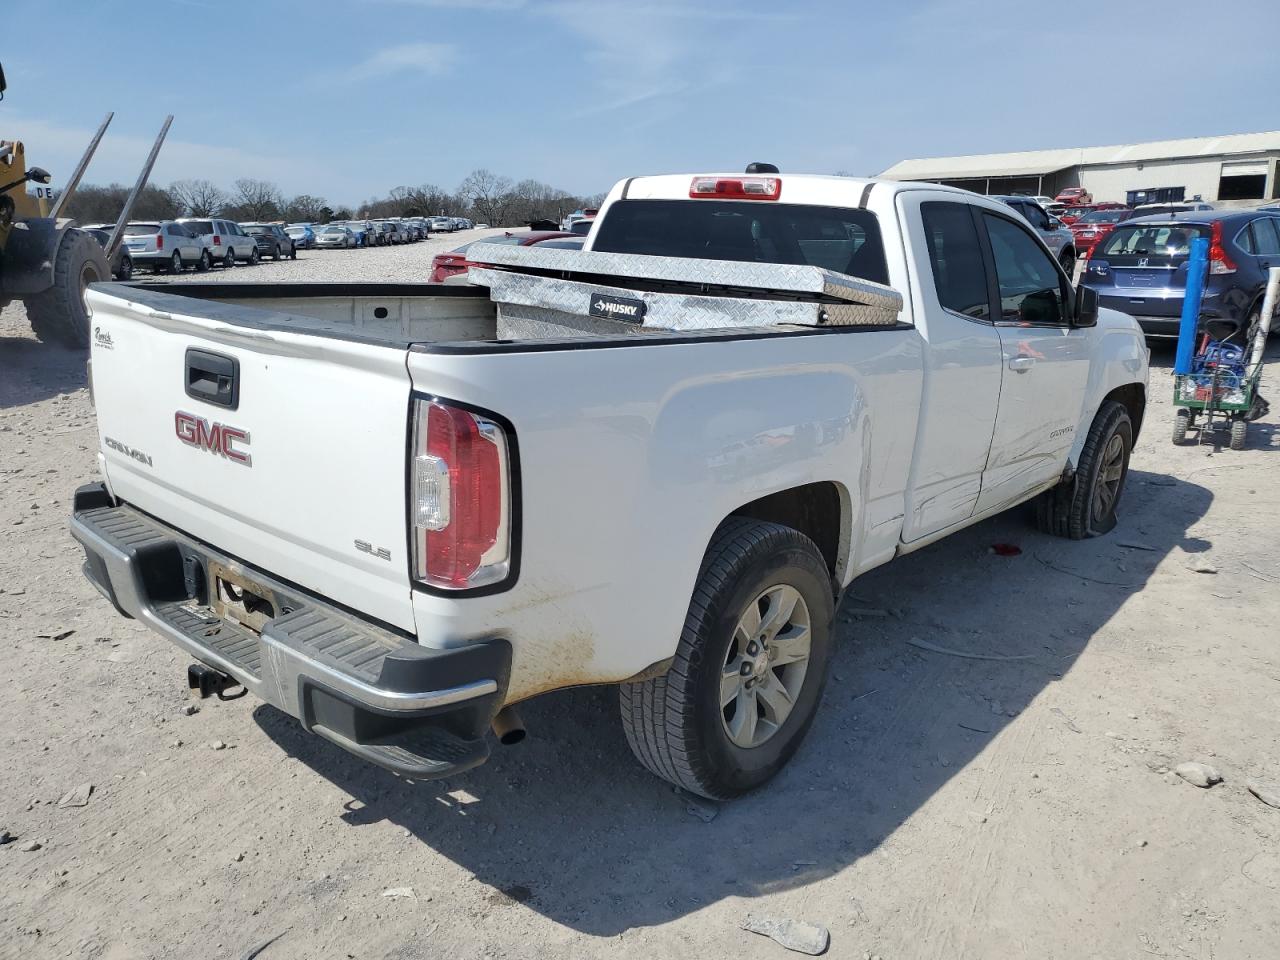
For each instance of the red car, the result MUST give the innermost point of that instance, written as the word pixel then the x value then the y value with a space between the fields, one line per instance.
pixel 444 265
pixel 1072 214
pixel 1096 225
pixel 1074 196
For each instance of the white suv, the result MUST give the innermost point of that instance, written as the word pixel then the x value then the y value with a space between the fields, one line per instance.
pixel 224 239
pixel 165 245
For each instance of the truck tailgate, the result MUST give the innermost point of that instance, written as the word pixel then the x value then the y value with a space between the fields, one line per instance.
pixel 286 450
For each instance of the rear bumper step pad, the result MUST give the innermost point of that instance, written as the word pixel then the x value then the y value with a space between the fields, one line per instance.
pixel 419 711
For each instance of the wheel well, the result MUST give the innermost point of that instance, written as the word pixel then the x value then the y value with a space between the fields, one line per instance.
pixel 814 509
pixel 1134 398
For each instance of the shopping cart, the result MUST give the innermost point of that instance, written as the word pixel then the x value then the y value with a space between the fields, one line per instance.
pixel 1218 392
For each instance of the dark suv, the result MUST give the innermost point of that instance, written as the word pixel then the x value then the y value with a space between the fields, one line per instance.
pixel 272 241
pixel 1141 269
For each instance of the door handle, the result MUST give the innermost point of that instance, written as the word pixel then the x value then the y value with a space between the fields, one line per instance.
pixel 1021 364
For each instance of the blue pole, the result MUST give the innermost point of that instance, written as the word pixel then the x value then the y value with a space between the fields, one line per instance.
pixel 1191 298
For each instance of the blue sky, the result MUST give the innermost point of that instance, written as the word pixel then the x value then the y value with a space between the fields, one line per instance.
pixel 354 97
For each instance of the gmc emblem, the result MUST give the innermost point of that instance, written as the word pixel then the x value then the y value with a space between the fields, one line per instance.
pixel 215 437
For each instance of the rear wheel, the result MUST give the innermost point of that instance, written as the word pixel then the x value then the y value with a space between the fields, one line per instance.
pixel 1254 325
pixel 175 262
pixel 229 260
pixel 749 669
pixel 293 251
pixel 60 312
pixel 1085 506
pixel 1068 261
pixel 253 257
pixel 205 261
pixel 126 268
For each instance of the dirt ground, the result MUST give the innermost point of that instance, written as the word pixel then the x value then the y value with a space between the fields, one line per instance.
pixel 941 808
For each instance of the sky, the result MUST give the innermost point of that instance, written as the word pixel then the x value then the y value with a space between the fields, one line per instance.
pixel 347 99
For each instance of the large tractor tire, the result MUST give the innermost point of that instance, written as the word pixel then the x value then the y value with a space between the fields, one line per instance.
pixel 60 314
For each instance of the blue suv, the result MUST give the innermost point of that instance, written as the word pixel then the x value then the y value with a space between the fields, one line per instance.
pixel 1141 269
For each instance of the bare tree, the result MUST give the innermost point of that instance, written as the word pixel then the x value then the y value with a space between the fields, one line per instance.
pixel 304 208
pixel 95 204
pixel 489 194
pixel 257 199
pixel 199 198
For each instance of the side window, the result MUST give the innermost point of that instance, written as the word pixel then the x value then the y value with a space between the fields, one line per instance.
pixel 959 275
pixel 1037 217
pixel 1266 234
pixel 1244 239
pixel 1030 285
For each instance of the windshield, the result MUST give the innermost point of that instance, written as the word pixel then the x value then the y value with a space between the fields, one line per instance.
pixel 839 239
pixel 1103 216
pixel 335 229
pixel 1170 240
pixel 257 231
pixel 141 229
pixel 296 231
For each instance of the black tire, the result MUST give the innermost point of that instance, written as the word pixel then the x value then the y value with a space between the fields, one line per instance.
pixel 229 259
pixel 1251 329
pixel 126 268
pixel 1072 509
pixel 293 251
pixel 1239 434
pixel 175 263
pixel 275 252
pixel 1181 424
pixel 254 257
pixel 60 314
pixel 205 263
pixel 675 723
pixel 1068 261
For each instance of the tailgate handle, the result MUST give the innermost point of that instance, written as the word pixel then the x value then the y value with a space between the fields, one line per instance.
pixel 213 378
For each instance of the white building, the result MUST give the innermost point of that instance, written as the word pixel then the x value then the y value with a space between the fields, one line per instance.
pixel 1235 167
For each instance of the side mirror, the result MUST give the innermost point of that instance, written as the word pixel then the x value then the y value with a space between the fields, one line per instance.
pixel 1085 312
pixel 38 175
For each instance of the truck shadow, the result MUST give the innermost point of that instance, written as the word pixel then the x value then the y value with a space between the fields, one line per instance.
pixel 31 371
pixel 568 825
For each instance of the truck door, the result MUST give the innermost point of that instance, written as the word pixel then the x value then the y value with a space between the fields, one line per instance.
pixel 1046 363
pixel 953 308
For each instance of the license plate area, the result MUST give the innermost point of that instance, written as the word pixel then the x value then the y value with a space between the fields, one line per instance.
pixel 240 599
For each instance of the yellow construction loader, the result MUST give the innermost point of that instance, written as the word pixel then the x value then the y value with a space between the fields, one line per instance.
pixel 45 261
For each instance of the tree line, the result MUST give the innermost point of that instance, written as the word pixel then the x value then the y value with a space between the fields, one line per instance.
pixel 484 197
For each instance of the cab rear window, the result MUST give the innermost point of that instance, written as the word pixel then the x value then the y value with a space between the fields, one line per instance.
pixel 834 238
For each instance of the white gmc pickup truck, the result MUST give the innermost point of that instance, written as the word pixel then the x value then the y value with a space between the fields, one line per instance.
pixel 395 511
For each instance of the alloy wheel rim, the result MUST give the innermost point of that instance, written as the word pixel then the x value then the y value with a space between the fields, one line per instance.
pixel 1109 476
pixel 765 666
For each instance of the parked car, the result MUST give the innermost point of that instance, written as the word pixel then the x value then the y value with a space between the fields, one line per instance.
pixel 1070 215
pixel 121 264
pixel 397 568
pixel 336 236
pixel 1168 209
pixel 582 227
pixel 580 214
pixel 455 262
pixel 561 243
pixel 272 241
pixel 361 229
pixel 1141 268
pixel 442 225
pixel 1056 235
pixel 224 239
pixel 1074 196
pixel 165 245
pixel 1096 224
pixel 388 232
pixel 303 235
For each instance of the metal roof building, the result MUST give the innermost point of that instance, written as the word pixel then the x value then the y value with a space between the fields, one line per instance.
pixel 1235 167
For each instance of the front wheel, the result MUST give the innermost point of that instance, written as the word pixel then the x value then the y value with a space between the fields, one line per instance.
pixel 293 251
pixel 60 312
pixel 254 257
pixel 749 669
pixel 1085 506
pixel 1068 261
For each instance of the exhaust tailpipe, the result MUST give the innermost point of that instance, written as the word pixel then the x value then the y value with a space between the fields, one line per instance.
pixel 508 727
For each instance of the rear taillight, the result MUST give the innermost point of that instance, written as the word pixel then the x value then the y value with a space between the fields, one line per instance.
pixel 159 241
pixel 461 498
pixel 217 240
pixel 736 188
pixel 1219 262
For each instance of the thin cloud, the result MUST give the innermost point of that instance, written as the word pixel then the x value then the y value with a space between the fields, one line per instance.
pixel 432 59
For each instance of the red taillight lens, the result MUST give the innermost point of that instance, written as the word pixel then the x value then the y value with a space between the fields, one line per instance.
pixel 217 240
pixel 159 241
pixel 1219 262
pixel 461 498
pixel 736 188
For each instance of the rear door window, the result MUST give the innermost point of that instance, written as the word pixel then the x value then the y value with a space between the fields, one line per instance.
pixel 834 238
pixel 959 274
pixel 1030 284
pixel 1266 237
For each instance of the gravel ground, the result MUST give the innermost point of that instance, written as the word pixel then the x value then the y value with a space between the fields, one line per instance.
pixel 942 807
